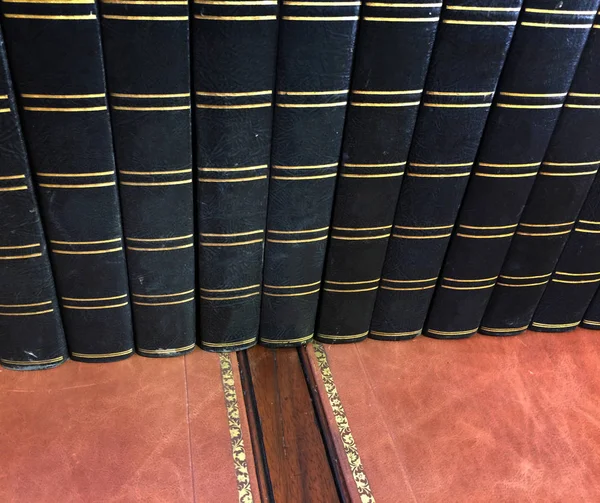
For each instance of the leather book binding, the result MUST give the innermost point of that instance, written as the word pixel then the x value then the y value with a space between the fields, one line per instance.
pixel 533 86
pixel 316 46
pixel 392 54
pixel 234 56
pixel 560 189
pixel 56 58
pixel 577 274
pixel 470 50
pixel 30 323
pixel 146 48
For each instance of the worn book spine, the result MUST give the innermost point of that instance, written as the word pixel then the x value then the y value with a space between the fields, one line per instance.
pixel 392 54
pixel 560 189
pixel 30 323
pixel 234 56
pixel 146 48
pixel 316 46
pixel 577 274
pixel 534 83
pixel 470 50
pixel 56 58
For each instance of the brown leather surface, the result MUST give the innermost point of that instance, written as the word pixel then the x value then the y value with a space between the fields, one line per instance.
pixel 118 432
pixel 481 419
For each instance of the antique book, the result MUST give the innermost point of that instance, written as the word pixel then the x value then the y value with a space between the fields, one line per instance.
pixel 316 45
pixel 56 59
pixel 577 274
pixel 470 50
pixel 392 54
pixel 146 48
pixel 562 183
pixel 30 324
pixel 234 54
pixel 533 86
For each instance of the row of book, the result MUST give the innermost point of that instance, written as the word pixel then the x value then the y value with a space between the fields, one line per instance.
pixel 433 174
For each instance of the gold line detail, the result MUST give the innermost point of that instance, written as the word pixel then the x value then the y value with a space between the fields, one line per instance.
pixel 480 23
pixel 453 175
pixel 85 308
pixel 556 325
pixel 320 18
pixel 237 18
pixel 356 229
pixel 230 235
pixel 234 2
pixel 312 105
pixel 403 19
pixel 169 248
pixel 299 232
pixel 93 299
pixel 378 165
pixel 102 355
pixel 227 344
pixel 68 175
pixel 16 257
pixel 35 362
pixel 12 177
pixel 409 280
pixel 395 334
pixel 65 109
pixel 76 186
pixel 356 290
pixel 291 294
pixel 380 105
pixel 556 25
pixel 171 303
pixel 578 173
pixel 467 287
pixel 522 285
pixel 590 322
pixel 486 9
pixel 384 175
pixel 145 18
pixel 436 236
pixel 588 163
pixel 232 180
pixel 533 95
pixel 116 240
pixel 589 231
pixel 405 289
pixel 542 234
pixel 526 277
pixel 341 421
pixel 154 240
pixel 459 332
pixel 331 175
pixel 342 338
pixel 45 303
pixel 558 11
pixel 230 298
pixel 547 225
pixel 33 313
pixel 148 296
pixel 471 280
pixel 311 93
pixel 365 238
pixel 147 96
pixel 457 105
pixel 493 236
pixel 388 93
pixel 152 109
pixel 234 107
pixel 219 290
pixel 589 222
pixel 63 96
pixel 240 243
pixel 22 247
pixel 444 93
pixel 577 273
pixel 166 351
pixel 352 282
pixel 293 286
pixel 90 252
pixel 237 94
pixel 504 330
pixel 321 4
pixel 491 227
pixel 155 184
pixel 511 105
pixel 490 175
pixel 287 341
pixel 85 17
pixel 313 166
pixel 453 165
pixel 246 168
pixel 511 165
pixel 576 282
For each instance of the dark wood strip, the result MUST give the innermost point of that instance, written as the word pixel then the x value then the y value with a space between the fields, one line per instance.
pixel 296 457
pixel 334 460
pixel 256 434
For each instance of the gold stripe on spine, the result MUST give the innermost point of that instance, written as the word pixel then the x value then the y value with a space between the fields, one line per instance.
pixel 301 294
pixel 240 463
pixel 293 286
pixel 365 238
pixel 576 282
pixel 504 330
pixel 320 18
pixel 219 290
pixel 561 12
pixel 234 95
pixel 556 325
pixel 235 18
pixel 322 4
pixel 317 177
pixel 555 25
pixel 306 338
pixel 353 282
pixel 85 17
pixel 36 304
pixel 479 23
pixel 590 322
pixel 33 362
pixel 32 313
pixel 320 229
pixel 77 186
pixel 102 355
pixel 343 337
pixel 451 333
pixel 401 19
pixel 403 5
pixel 152 109
pixel 21 247
pixel 168 248
pixel 166 351
pixel 406 289
pixel 526 277
pixel 355 290
pixel 144 18
pixel 162 295
pixel 85 308
pixel 104 241
pixel 341 421
pixel 234 2
pixel 227 344
pixel 93 299
pixel 486 9
pixel 75 175
pixel 169 303
pixel 562 224
pixel 436 236
pixel 395 334
pixel 522 285
pixel 233 297
pixel 65 109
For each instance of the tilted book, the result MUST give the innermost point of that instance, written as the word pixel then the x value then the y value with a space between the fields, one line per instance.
pixel 533 86
pixel 393 49
pixel 316 44
pixel 234 54
pixel 468 56
pixel 560 189
pixel 146 49
pixel 56 59
pixel 30 324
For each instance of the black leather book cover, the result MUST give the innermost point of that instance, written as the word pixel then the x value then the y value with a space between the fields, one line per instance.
pixel 56 59
pixel 316 45
pixel 533 86
pixel 563 181
pixel 470 50
pixel 577 274
pixel 32 333
pixel 392 54
pixel 234 55
pixel 146 49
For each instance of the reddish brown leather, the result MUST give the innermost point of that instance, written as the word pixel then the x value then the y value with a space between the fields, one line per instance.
pixel 117 432
pixel 483 419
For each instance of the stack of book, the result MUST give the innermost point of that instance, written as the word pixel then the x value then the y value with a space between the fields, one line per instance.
pixel 234 172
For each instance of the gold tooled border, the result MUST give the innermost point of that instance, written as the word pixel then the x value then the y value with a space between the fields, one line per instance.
pixel 350 448
pixel 235 431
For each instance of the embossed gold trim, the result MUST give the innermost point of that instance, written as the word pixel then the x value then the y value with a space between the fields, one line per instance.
pixel 240 463
pixel 339 414
pixel 102 355
pixel 227 344
pixel 36 362
pixel 166 351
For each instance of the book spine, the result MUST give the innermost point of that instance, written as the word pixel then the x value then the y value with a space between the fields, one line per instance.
pixel 316 46
pixel 30 324
pixel 56 58
pixel 458 95
pixel 534 83
pixel 577 275
pixel 234 55
pixel 384 101
pixel 558 194
pixel 146 48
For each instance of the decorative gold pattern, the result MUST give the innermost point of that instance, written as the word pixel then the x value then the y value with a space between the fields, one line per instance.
pixel 235 431
pixel 350 448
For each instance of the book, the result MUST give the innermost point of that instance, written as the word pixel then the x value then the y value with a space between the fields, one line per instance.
pixel 392 55
pixel 234 56
pixel 470 50
pixel 316 45
pixel 30 323
pixel 146 49
pixel 55 55
pixel 563 181
pixel 577 275
pixel 535 80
